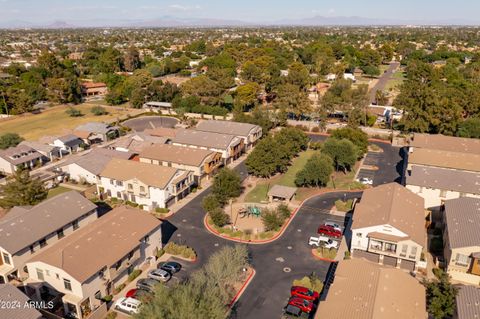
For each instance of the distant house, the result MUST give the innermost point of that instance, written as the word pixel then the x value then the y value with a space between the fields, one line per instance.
pixel 68 143
pixel 11 295
pixel 49 152
pixel 93 89
pixel 436 185
pixel 96 132
pixel 439 63
pixel 137 142
pixel 461 239
pixel 20 156
pixel 87 168
pixel 467 303
pixel 203 163
pixel 145 184
pixel 25 231
pixel 250 133
pixel 158 106
pixel 84 267
pixel 364 290
pixel 389 227
pixel 230 146
pixel 346 76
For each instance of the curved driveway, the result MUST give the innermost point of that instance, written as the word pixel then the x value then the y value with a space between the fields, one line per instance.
pixel 269 290
pixel 142 123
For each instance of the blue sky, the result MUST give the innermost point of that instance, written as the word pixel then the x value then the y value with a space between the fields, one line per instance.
pixel 246 10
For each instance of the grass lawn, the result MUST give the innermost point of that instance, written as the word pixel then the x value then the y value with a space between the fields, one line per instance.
pixel 288 179
pixel 57 191
pixel 257 194
pixel 55 121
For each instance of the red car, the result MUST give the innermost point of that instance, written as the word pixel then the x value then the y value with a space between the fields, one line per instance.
pixel 304 305
pixel 329 231
pixel 138 294
pixel 304 293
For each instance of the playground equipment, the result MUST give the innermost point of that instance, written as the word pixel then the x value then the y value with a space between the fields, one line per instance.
pixel 249 210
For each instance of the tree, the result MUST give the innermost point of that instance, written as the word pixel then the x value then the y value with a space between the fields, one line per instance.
pixel 219 217
pixel 316 172
pixel 132 60
pixel 267 158
pixel 227 184
pixel 22 190
pixel 206 89
pixel 469 128
pixel 98 110
pixel 210 202
pixel 292 99
pixel 9 140
pixel 298 75
pixel 343 153
pixel 246 96
pixel 440 295
pixel 355 135
pixel 293 139
pixel 271 220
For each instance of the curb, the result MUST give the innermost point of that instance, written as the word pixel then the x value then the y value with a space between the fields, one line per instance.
pixel 321 258
pixel 281 231
pixel 242 289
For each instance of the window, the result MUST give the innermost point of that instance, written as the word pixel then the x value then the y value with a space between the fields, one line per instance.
pixel 404 250
pixel 40 274
pixel 47 272
pixel 359 234
pixel 413 252
pixel 57 276
pixel 112 182
pixel 462 260
pixel 146 239
pixel 75 225
pixel 130 186
pixel 32 249
pixel 67 284
pixel 42 242
pixel 130 255
pixel 119 183
pixel 60 233
pixel 142 189
pixel 119 195
pixel 463 194
pixel 390 247
pixel 443 193
pixel 6 258
pixel 98 295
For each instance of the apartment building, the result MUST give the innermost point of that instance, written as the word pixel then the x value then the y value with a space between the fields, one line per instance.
pixel 249 133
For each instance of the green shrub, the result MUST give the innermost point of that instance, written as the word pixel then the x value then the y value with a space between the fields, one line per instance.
pixel 315 145
pixel 162 210
pixel 134 274
pixel 107 298
pixel 210 203
pixel 180 250
pixel 284 211
pixel 316 129
pixel 312 282
pixel 218 216
pixel 160 253
pixel 271 220
pixel 98 110
pixel 73 112
pixel 119 288
pixel 344 206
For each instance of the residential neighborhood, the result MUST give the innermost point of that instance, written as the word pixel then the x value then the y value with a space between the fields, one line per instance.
pixel 239 160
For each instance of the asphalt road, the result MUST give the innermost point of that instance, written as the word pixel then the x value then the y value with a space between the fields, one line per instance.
pixel 382 81
pixel 278 263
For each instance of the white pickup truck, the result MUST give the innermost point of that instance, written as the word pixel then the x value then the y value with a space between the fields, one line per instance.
pixel 324 241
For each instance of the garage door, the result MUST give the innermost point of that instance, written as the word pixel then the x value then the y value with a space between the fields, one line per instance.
pixel 366 255
pixel 407 265
pixel 389 261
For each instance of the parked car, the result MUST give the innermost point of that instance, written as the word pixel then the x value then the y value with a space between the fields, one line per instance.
pixel 128 305
pixel 147 284
pixel 323 241
pixel 171 266
pixel 304 305
pixel 139 294
pixel 334 225
pixel 329 231
pixel 159 274
pixel 365 181
pixel 304 293
pixel 292 311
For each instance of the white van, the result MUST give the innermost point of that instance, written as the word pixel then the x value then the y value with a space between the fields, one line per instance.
pixel 128 305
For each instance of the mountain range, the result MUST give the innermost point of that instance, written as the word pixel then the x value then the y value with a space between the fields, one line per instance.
pixel 176 22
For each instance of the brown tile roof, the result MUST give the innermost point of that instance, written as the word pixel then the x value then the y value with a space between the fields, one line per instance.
pixel 444 179
pixel 227 127
pixel 101 244
pixel 91 85
pixel 394 205
pixel 19 154
pixel 365 290
pixel 445 159
pixel 12 296
pixel 446 143
pixel 150 174
pixel 282 191
pixel 177 154
pixel 463 219
pixel 205 139
pixel 161 132
pixel 23 226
